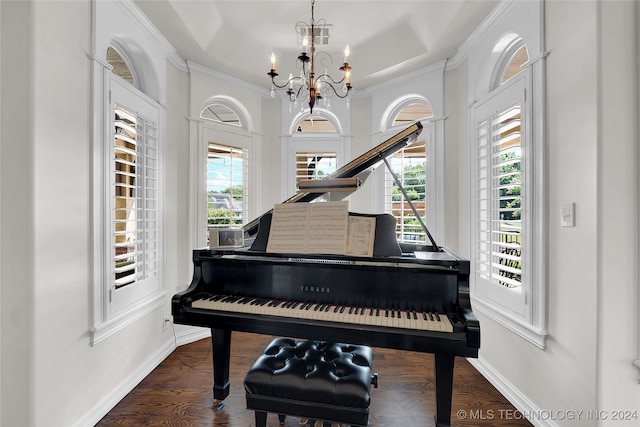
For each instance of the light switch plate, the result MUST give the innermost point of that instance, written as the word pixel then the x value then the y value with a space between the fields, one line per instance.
pixel 568 215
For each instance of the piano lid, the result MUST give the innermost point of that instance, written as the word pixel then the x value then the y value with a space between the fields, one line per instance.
pixel 360 167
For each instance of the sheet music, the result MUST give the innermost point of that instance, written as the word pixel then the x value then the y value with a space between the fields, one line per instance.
pixel 361 234
pixel 289 228
pixel 328 224
pixel 309 228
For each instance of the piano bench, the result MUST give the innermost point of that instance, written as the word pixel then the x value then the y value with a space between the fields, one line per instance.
pixel 328 382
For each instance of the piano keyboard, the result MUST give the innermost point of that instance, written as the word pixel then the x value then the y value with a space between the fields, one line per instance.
pixel 416 320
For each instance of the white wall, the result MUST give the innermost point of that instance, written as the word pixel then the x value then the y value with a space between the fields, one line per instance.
pixel 51 376
pixel 617 170
pixel 592 275
pixel 17 247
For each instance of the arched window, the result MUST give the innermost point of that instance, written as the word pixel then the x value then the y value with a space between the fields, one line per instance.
pixel 316 147
pixel 128 183
pixel 229 153
pixel 410 166
pixel 316 125
pixel 412 113
pixel 506 214
pixel 120 67
pixel 516 61
pixel 218 112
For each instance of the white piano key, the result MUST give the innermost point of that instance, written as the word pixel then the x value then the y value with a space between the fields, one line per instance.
pixel 329 313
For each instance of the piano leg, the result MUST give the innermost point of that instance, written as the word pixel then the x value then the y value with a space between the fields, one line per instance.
pixel 444 388
pixel 221 343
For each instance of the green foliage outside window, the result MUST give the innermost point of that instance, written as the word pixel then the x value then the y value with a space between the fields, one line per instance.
pixel 414 183
pixel 510 196
pixel 224 216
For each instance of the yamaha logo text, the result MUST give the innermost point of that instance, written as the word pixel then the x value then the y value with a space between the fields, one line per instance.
pixel 315 289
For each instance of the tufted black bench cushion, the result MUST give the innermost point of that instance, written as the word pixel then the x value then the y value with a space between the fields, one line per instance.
pixel 311 379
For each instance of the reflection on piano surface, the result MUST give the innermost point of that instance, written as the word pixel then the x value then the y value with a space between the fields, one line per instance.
pixel 406 297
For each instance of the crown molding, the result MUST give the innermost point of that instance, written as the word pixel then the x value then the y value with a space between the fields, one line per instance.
pixel 489 22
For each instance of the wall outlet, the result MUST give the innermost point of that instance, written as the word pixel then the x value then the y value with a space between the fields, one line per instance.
pixel 166 321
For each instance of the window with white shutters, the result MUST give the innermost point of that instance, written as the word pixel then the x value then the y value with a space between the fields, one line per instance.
pixel 507 269
pixel 227 185
pixel 499 199
pixel 134 243
pixel 410 166
pixel 135 200
pixel 127 211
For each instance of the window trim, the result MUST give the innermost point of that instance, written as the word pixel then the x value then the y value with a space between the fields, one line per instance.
pixel 531 325
pixel 432 129
pixel 104 322
pixel 224 134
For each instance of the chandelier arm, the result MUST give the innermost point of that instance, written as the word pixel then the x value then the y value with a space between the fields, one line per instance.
pixel 273 81
pixel 327 78
pixel 299 90
pixel 344 95
pixel 294 80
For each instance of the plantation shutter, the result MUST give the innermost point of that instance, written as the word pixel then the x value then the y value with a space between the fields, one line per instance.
pixel 499 210
pixel 135 199
pixel 315 165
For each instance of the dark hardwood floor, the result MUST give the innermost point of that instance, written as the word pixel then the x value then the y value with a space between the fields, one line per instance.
pixel 179 392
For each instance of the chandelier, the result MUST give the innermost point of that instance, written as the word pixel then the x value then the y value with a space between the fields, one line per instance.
pixel 308 86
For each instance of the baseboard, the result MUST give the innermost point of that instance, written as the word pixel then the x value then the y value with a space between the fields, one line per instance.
pixel 192 335
pixel 525 407
pixel 102 408
pixel 98 411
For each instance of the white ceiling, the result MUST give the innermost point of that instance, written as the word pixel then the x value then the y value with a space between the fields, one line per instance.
pixel 387 38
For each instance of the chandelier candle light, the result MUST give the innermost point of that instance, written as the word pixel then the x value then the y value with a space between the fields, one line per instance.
pixel 307 84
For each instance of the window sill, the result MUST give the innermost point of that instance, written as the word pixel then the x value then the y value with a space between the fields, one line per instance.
pixel 529 332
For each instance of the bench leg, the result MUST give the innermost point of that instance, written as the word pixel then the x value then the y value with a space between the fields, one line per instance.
pixel 261 419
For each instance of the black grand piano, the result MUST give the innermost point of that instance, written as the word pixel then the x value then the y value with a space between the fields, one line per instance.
pixel 405 296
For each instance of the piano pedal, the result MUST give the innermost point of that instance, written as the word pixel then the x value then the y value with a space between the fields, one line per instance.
pixel 217 404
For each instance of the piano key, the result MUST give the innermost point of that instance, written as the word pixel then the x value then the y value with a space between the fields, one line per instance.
pixel 405 319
